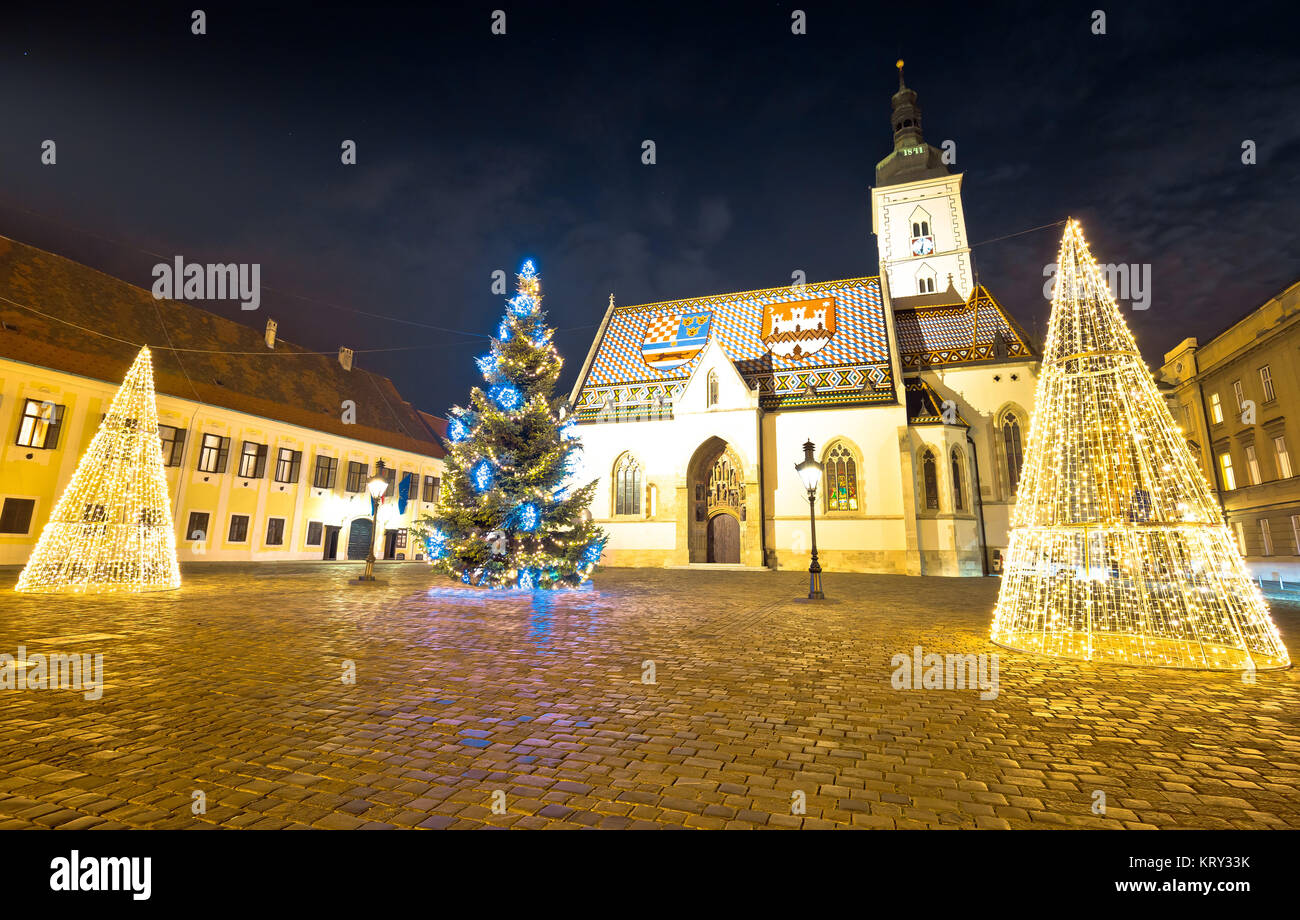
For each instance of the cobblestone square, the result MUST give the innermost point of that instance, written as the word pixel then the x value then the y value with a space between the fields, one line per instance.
pixel 235 686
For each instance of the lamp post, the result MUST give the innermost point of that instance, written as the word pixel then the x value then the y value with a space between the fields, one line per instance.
pixel 377 486
pixel 810 471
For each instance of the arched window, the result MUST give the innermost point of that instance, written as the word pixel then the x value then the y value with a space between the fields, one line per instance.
pixel 713 388
pixel 1011 443
pixel 958 481
pixel 840 475
pixel 627 486
pixel 930 476
pixel 925 286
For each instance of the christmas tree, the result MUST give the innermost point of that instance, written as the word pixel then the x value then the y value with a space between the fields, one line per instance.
pixel 1119 551
pixel 112 527
pixel 508 515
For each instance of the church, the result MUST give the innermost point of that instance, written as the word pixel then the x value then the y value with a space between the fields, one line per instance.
pixel 913 384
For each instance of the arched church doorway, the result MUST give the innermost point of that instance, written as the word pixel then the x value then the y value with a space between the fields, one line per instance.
pixel 724 538
pixel 717 503
pixel 359 538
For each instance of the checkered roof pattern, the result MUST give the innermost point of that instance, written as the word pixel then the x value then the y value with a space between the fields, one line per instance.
pixel 737 325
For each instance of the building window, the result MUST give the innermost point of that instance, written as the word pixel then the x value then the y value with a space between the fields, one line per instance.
pixel 252 460
pixel 1252 465
pixel 432 485
pixel 840 472
pixel 1240 394
pixel 1266 380
pixel 16 515
pixel 40 425
pixel 713 388
pixel 198 526
pixel 326 469
pixel 925 285
pixel 390 475
pixel 958 480
pixel 627 486
pixel 315 531
pixel 1283 458
pixel 238 528
pixel 213 454
pixel 1266 537
pixel 1295 533
pixel 287 464
pixel 1216 409
pixel 1225 464
pixel 275 531
pixel 1011 444
pixel 930 476
pixel 356 476
pixel 400 542
pixel 1241 536
pixel 173 444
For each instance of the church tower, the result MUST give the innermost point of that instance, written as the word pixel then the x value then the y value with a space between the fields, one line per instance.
pixel 917 216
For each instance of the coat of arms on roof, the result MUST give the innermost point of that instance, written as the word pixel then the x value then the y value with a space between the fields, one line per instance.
pixel 673 339
pixel 797 328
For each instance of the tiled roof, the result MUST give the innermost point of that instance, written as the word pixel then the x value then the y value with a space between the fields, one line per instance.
pixel 924 406
pixel 977 330
pixel 846 360
pixel 289 384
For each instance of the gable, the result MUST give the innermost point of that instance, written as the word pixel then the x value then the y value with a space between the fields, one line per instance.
pixel 978 329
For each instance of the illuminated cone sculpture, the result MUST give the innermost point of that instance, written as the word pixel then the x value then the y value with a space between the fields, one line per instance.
pixel 112 528
pixel 1119 552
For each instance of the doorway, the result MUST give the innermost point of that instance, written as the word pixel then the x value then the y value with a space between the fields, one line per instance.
pixel 724 539
pixel 360 539
pixel 331 542
pixel 390 544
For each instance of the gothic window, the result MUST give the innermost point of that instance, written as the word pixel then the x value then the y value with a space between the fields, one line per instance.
pixel 930 476
pixel 713 388
pixel 1011 443
pixel 627 486
pixel 840 472
pixel 925 286
pixel 958 480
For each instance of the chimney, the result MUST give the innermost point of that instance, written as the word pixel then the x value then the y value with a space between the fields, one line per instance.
pixel 345 358
pixel 270 333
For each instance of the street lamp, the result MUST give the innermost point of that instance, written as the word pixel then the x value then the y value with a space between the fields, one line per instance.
pixel 377 486
pixel 810 471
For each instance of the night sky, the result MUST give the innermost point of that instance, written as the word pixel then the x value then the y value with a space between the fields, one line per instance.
pixel 477 150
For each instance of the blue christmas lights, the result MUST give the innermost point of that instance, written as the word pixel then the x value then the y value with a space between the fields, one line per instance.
pixel 521 305
pixel 591 555
pixel 457 430
pixel 503 331
pixel 487 365
pixel 529 517
pixel 527 579
pixel 506 395
pixel 437 544
pixel 482 474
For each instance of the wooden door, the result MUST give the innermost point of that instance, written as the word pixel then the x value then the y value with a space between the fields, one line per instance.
pixel 724 539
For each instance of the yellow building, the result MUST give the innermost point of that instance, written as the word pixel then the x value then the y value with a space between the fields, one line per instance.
pixel 1237 398
pixel 268 446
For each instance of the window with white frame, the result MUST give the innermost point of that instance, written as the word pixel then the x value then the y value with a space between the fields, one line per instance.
pixel 1283 458
pixel 1265 536
pixel 1252 465
pixel 1240 394
pixel 1241 537
pixel 1216 409
pixel 1266 381
pixel 1225 464
pixel 1295 533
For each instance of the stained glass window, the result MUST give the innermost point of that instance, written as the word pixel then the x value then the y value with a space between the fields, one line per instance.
pixel 1011 439
pixel 958 478
pixel 627 486
pixel 931 476
pixel 840 473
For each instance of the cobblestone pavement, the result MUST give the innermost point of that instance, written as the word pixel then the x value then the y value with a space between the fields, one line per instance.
pixel 233 686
